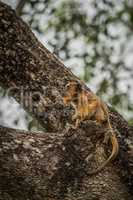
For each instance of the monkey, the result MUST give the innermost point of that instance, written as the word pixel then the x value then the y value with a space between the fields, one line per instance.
pixel 87 105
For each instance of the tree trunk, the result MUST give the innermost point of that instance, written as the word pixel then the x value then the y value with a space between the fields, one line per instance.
pixel 53 165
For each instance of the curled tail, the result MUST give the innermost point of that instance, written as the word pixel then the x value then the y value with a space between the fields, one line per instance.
pixel 115 149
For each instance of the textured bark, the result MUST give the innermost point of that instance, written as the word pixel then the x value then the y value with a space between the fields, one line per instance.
pixel 53 165
pixel 29 67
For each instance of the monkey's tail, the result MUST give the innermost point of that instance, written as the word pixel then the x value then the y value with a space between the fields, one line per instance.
pixel 114 153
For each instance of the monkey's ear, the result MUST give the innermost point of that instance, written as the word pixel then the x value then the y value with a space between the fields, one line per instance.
pixel 78 85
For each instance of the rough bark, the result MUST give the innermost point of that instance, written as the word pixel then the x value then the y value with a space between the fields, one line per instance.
pixel 28 67
pixel 52 165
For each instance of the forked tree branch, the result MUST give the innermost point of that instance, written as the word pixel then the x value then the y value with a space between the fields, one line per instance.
pixel 52 165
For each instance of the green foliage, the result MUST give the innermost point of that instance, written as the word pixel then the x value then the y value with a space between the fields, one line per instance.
pixel 94 36
pixel 131 121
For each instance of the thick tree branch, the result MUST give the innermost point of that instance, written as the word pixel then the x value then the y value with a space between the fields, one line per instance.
pixel 52 165
pixel 29 70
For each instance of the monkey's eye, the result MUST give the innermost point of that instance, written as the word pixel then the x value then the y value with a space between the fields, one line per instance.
pixel 68 86
pixel 71 84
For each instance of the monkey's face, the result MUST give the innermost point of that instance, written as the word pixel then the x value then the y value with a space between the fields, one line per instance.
pixel 71 93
